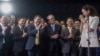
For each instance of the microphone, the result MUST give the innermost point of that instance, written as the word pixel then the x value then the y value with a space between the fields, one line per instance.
pixel 87 19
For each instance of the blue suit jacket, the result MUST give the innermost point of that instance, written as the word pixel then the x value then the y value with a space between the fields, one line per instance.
pixel 31 37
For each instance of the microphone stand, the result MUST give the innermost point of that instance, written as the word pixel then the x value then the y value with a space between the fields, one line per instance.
pixel 88 39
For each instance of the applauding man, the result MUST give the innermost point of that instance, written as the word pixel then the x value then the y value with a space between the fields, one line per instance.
pixel 19 37
pixel 35 34
pixel 53 33
pixel 5 37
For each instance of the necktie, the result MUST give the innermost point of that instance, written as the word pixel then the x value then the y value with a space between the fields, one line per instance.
pixel 70 30
pixel 53 28
pixel 22 28
pixel 37 38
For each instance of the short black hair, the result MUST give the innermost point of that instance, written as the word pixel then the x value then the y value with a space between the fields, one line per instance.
pixel 37 16
pixel 77 20
pixel 70 18
pixel 21 18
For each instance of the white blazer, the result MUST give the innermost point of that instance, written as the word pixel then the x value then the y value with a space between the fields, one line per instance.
pixel 93 23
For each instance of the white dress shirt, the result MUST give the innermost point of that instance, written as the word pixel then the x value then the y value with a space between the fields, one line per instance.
pixel 20 27
pixel 3 27
pixel 53 27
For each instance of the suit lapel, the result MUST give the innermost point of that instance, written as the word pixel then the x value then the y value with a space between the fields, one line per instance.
pixel 51 30
pixel 7 30
pixel 73 31
pixel 19 30
pixel 67 31
pixel 56 28
pixel 0 28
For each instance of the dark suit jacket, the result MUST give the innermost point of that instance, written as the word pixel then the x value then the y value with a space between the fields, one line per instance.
pixel 19 42
pixel 31 37
pixel 7 37
pixel 69 45
pixel 49 33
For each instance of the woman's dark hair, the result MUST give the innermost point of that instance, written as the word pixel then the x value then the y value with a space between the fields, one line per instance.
pixel 92 10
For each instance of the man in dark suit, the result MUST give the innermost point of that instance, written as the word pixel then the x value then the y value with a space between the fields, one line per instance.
pixel 77 24
pixel 19 37
pixel 35 36
pixel 53 33
pixel 69 38
pixel 5 37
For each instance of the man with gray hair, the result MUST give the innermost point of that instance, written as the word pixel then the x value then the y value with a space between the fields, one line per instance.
pixel 5 37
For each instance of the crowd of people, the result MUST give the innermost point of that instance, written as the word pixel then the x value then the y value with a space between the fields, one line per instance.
pixel 53 38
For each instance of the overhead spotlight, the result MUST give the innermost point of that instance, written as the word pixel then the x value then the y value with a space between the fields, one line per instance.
pixel 6 8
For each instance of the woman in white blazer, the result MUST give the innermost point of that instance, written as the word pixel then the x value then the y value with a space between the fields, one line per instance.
pixel 89 22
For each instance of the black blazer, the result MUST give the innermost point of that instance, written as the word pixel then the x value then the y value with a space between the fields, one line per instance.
pixel 19 42
pixel 7 37
pixel 50 32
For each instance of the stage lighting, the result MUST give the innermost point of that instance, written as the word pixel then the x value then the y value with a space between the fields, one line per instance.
pixel 6 8
pixel 5 0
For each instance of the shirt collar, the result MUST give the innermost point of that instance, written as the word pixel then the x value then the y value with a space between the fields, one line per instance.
pixel 52 24
pixel 19 26
pixel 35 24
pixel 69 27
pixel 2 25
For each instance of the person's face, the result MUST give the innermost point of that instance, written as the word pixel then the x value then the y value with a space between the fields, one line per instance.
pixel 51 19
pixel 22 22
pixel 4 21
pixel 77 24
pixel 37 20
pixel 85 13
pixel 69 22
pixel 31 22
pixel 57 22
pixel 12 20
pixel 62 23
pixel 42 20
pixel 27 21
pixel 63 26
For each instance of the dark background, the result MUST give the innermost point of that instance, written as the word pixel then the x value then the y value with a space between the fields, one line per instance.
pixel 60 8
